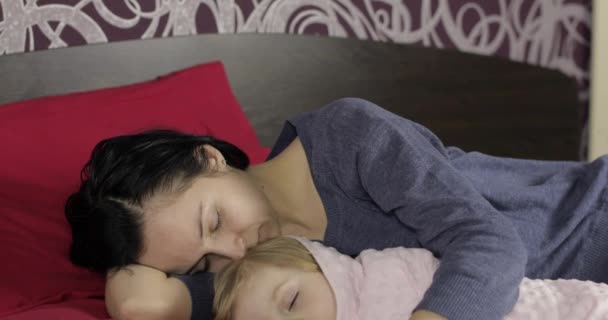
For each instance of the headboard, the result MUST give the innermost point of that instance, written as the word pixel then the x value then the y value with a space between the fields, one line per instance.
pixel 474 102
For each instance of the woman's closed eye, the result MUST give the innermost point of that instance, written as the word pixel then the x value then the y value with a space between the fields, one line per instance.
pixel 213 224
pixel 218 221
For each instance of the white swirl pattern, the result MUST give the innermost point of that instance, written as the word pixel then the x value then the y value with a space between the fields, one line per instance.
pixel 549 33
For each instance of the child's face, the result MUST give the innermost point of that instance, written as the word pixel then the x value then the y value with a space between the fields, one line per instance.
pixel 285 293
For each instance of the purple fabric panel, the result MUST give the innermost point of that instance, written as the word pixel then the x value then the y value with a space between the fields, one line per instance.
pixel 478 21
pixel 553 34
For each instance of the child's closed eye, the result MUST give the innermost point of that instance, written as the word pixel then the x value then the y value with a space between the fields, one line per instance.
pixel 294 300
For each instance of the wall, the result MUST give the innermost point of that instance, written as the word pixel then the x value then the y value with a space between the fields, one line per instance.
pixel 598 136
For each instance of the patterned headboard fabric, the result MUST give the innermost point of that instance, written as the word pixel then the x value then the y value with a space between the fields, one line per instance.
pixel 552 34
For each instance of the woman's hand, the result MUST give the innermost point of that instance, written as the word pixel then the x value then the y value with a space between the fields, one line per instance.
pixel 426 315
pixel 139 292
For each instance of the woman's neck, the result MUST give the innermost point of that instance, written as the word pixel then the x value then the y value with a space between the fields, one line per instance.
pixel 287 182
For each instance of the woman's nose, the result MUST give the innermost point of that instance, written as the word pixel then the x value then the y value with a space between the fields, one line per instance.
pixel 229 245
pixel 236 249
pixel 227 250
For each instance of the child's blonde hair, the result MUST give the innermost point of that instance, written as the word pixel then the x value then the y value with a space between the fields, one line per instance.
pixel 278 252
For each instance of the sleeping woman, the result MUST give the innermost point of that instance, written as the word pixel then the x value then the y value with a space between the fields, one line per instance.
pixel 352 175
pixel 295 278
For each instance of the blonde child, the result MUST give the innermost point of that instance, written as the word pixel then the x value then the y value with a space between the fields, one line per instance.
pixel 294 278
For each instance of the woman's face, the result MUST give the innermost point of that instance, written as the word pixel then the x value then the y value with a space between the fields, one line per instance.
pixel 209 224
pixel 285 293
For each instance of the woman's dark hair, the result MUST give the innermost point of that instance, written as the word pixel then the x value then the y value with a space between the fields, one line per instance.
pixel 105 213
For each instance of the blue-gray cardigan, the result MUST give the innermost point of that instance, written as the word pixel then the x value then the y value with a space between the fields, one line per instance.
pixel 386 181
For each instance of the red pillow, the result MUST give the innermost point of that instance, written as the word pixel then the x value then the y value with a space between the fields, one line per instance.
pixel 46 141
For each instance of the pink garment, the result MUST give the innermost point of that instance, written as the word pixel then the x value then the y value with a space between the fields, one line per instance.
pixel 389 284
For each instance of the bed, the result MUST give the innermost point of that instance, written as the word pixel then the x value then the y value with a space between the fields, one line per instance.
pixel 477 103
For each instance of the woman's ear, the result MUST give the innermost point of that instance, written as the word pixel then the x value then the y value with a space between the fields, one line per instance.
pixel 214 158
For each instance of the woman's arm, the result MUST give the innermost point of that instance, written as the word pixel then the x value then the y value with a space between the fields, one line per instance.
pixel 139 292
pixel 405 170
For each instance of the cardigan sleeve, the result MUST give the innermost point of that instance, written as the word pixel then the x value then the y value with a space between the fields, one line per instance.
pixel 200 286
pixel 406 171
